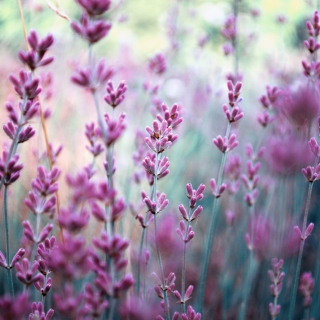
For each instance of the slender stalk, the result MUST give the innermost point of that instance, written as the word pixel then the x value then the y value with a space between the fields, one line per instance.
pixel 5 207
pixel 165 297
pixel 212 227
pixel 23 23
pixel 296 278
pixel 183 280
pixel 154 199
pixel 139 261
pixel 247 287
pixel 235 40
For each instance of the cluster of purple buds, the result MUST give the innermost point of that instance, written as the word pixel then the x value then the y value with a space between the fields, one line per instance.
pixel 114 129
pixel 108 197
pixel 276 277
pixel 25 86
pixel 69 258
pixel 27 273
pixel 95 303
pixel 312 69
pixel 268 102
pixel 115 96
pixel 156 206
pixel 42 199
pixel 14 307
pixel 69 303
pixel 226 144
pixel 161 136
pixel 91 30
pixel 313 173
pixel 93 134
pixel 158 64
pixel 38 312
pixel 185 231
pixel 306 287
pixel 251 179
pixel 92 78
pixel 314 26
pixel 12 131
pixel 34 57
pixel 229 30
pixel 9 168
pixel 95 7
pixel 168 285
pixel 312 45
pixel 159 170
pixel 113 247
pixel 15 259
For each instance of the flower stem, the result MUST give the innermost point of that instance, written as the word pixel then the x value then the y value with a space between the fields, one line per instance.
pixel 183 280
pixel 296 278
pixel 247 287
pixel 212 227
pixel 9 271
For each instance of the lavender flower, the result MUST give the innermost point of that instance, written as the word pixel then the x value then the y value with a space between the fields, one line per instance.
pixel 91 30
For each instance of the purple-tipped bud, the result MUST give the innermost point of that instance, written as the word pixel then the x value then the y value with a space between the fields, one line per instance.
pixel 183 212
pixel 274 310
pixel 26 134
pixel 298 232
pixel 3 261
pixel 196 213
pixel 45 232
pixel 309 230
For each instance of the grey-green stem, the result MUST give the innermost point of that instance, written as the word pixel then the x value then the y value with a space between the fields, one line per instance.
pixel 296 278
pixel 209 242
pixel 9 271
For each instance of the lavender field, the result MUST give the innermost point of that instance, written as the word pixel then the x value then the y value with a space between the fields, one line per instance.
pixel 159 160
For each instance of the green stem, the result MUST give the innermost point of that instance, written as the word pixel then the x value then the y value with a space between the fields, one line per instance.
pixel 247 287
pixel 165 297
pixel 212 227
pixel 183 284
pixel 296 278
pixel 9 271
pixel 139 261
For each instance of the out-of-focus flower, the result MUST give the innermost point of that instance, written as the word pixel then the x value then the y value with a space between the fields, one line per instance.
pixel 91 30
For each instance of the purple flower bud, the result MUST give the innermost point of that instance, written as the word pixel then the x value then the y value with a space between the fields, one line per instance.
pixel 196 213
pixel 274 310
pixel 38 312
pixel 27 273
pixel 308 230
pixel 10 129
pixel 3 260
